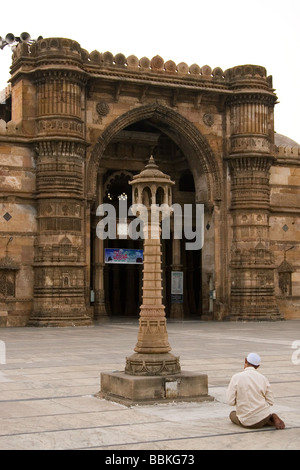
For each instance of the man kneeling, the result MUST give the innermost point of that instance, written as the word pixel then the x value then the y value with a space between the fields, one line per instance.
pixel 251 392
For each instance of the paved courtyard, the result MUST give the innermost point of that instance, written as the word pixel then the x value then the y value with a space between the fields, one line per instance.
pixel 49 378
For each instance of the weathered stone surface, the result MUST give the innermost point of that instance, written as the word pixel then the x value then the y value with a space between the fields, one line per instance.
pixel 82 125
pixel 133 390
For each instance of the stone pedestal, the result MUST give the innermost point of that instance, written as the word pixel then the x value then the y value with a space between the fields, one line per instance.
pixel 134 390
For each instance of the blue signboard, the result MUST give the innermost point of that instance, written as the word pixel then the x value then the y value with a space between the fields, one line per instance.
pixel 123 256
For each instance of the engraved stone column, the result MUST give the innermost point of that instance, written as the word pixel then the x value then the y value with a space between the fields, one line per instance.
pixel 250 158
pixel 60 267
pixel 152 374
pixel 152 355
pixel 60 294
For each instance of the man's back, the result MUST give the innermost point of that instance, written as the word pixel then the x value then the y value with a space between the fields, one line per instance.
pixel 250 391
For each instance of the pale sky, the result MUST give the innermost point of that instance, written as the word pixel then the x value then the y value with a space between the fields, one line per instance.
pixel 218 33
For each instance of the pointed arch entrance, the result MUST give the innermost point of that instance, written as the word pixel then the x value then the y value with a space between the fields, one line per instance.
pixel 122 150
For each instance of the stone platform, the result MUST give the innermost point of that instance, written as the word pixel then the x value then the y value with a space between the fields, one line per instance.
pixel 134 390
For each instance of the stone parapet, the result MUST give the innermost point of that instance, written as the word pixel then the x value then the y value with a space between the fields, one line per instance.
pixel 63 52
pixel 287 155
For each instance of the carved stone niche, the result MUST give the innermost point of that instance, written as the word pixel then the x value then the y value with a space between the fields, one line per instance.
pixel 8 269
pixel 7 283
pixel 285 278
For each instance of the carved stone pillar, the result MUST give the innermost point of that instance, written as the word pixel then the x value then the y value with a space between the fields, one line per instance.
pixel 60 267
pixel 152 373
pixel 250 159
pixel 152 355
pixel 60 294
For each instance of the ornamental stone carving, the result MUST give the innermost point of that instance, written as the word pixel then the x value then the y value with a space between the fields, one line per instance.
pixel 208 119
pixel 102 108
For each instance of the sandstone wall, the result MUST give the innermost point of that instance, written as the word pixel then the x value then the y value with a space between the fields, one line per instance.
pixel 18 227
pixel 285 228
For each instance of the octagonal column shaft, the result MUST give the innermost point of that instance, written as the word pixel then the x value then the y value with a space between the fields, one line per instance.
pixel 152 335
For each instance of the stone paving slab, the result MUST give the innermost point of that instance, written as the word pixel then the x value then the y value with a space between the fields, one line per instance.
pixel 51 375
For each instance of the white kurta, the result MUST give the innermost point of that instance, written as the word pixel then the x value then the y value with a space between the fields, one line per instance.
pixel 251 392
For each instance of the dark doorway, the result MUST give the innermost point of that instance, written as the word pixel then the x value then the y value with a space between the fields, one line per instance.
pixel 123 283
pixel 192 270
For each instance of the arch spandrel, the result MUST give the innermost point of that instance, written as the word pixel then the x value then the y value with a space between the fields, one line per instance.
pixel 200 156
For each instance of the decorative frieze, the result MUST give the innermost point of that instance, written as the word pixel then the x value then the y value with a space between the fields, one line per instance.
pixel 259 256
pixel 63 280
pixel 54 224
pixel 60 147
pixel 60 126
pixel 63 252
pixel 143 365
pixel 250 143
pixel 56 208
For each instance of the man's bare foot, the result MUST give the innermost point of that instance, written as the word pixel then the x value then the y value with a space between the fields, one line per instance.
pixel 277 422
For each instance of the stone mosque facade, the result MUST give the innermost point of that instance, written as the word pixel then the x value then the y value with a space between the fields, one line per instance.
pixel 76 127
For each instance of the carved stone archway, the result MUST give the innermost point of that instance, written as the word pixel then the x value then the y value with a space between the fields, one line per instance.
pixel 198 153
pixel 194 145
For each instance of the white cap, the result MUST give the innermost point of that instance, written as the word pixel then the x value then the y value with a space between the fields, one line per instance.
pixel 253 359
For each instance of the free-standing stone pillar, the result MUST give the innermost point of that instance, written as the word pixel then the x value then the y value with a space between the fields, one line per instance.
pixel 152 373
pixel 152 355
